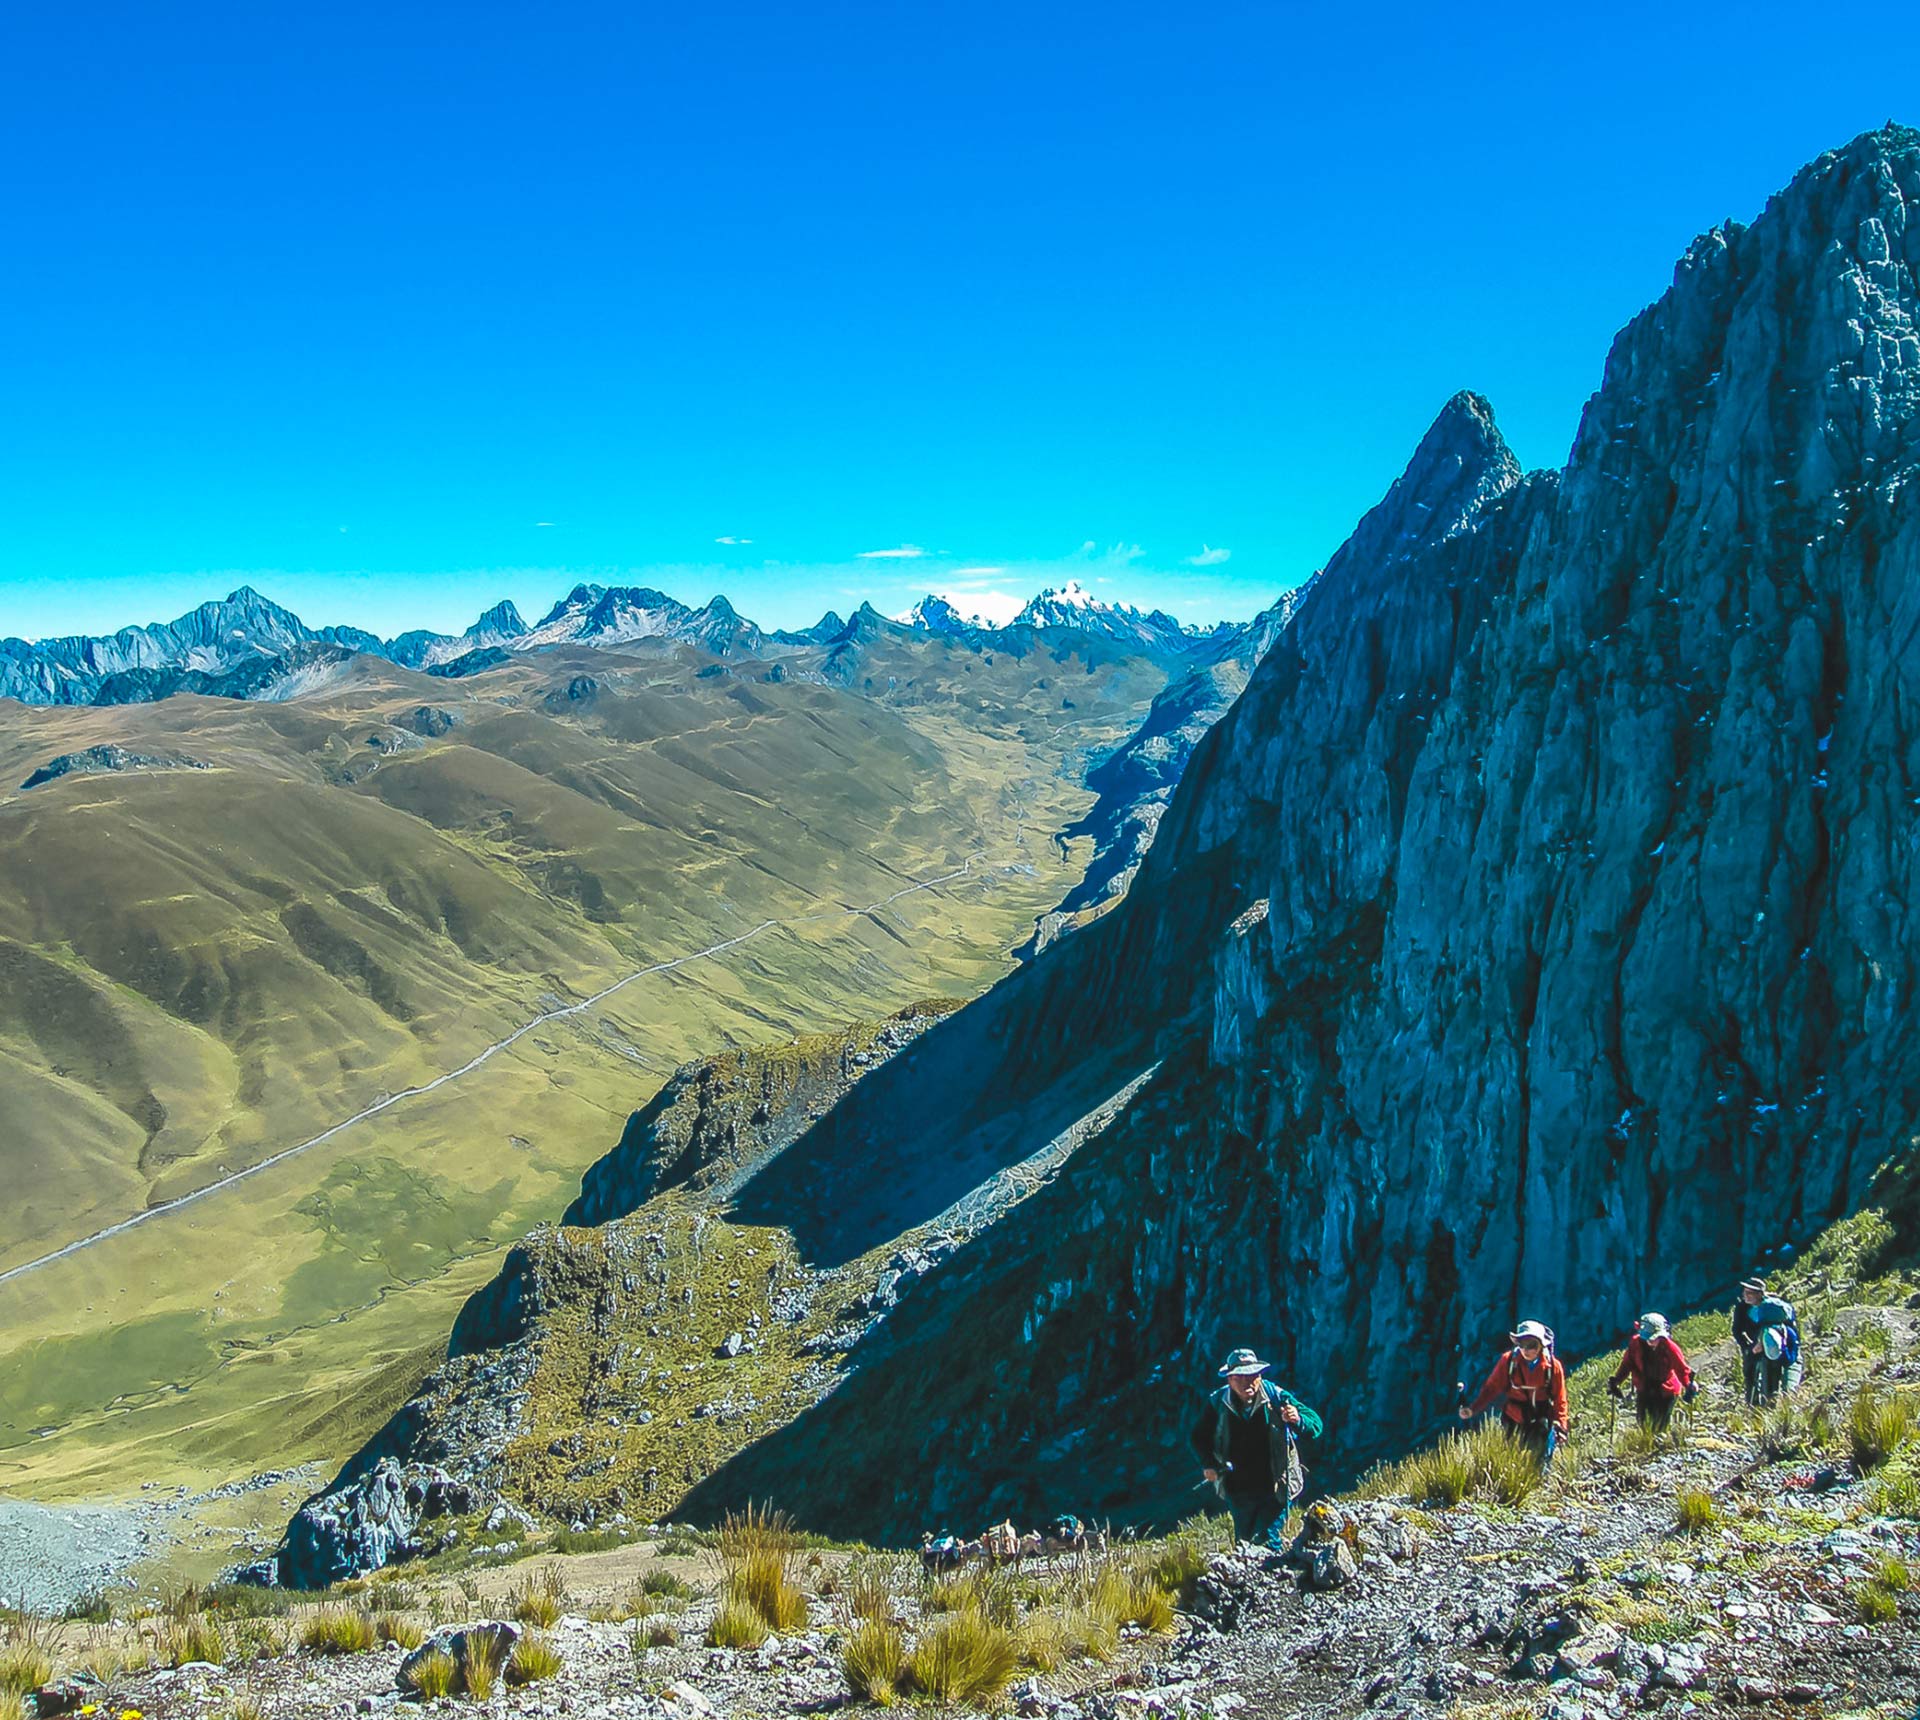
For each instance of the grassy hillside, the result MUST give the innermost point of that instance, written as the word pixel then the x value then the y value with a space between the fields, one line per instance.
pixel 204 967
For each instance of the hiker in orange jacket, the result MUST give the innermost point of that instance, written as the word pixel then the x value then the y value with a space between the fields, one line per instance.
pixel 1660 1374
pixel 1531 1386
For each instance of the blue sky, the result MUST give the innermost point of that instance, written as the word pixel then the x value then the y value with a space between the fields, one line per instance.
pixel 393 310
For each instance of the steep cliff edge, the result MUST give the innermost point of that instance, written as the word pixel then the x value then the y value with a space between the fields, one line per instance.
pixel 1531 938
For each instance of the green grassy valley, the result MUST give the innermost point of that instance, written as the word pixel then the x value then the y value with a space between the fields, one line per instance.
pixel 369 887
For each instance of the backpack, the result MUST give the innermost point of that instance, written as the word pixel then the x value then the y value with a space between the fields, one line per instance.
pixel 1772 1311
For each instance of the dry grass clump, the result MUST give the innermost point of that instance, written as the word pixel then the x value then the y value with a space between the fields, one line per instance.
pixel 869 1591
pixel 658 1634
pixel 533 1659
pixel 338 1630
pixel 757 1549
pixel 434 1675
pixel 541 1599
pixel 1044 1641
pixel 401 1631
pixel 737 1624
pixel 1878 1424
pixel 1481 1463
pixel 1090 1635
pixel 1789 1429
pixel 26 1661
pixel 246 1707
pixel 1694 1511
pixel 480 1665
pixel 195 1638
pixel 1131 1597
pixel 963 1657
pixel 874 1659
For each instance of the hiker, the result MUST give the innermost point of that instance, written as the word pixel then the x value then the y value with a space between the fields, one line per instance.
pixel 1768 1333
pixel 1247 1442
pixel 1659 1371
pixel 1531 1386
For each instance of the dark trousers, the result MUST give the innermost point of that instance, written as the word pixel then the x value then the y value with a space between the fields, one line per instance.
pixel 1765 1378
pixel 1655 1408
pixel 1537 1436
pixel 1256 1516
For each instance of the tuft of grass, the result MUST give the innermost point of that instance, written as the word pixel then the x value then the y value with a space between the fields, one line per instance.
pixel 736 1623
pixel 541 1599
pixel 480 1666
pixel 1481 1463
pixel 245 1600
pixel 869 1589
pixel 1898 1496
pixel 190 1639
pixel 874 1659
pixel 533 1659
pixel 434 1675
pixel 660 1634
pixel 1176 1563
pixel 1878 1424
pixel 338 1630
pixel 24 1666
pixel 1131 1596
pixel 89 1607
pixel 757 1549
pixel 1694 1511
pixel 1788 1429
pixel 1892 1573
pixel 396 1628
pixel 665 1585
pixel 1090 1635
pixel 1043 1640
pixel 963 1657
pixel 1878 1604
pixel 246 1706
pixel 257 1639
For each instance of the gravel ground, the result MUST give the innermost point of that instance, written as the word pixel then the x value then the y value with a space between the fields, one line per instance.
pixel 48 1555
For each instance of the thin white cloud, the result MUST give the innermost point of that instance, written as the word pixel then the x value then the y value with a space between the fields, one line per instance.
pixel 539 523
pixel 1209 557
pixel 733 540
pixel 906 552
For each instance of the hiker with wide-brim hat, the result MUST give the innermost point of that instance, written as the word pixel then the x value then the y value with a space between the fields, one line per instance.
pixel 1530 1386
pixel 1659 1371
pixel 1768 1333
pixel 1247 1440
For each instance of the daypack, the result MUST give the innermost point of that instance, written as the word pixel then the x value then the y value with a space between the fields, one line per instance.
pixel 1772 1311
pixel 1534 1408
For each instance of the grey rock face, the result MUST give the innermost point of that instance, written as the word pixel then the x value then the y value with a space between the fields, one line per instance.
pixel 363 1524
pixel 94 760
pixel 1527 941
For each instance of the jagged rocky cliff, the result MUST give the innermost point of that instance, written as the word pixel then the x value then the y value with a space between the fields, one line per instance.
pixel 1530 939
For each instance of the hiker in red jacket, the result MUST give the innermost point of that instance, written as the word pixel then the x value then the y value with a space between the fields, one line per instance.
pixel 1533 1385
pixel 1658 1370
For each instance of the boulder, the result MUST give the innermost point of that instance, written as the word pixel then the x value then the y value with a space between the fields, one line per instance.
pixel 366 1523
pixel 461 1643
pixel 1329 1566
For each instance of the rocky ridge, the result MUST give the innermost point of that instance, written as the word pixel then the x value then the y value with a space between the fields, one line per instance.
pixel 1524 941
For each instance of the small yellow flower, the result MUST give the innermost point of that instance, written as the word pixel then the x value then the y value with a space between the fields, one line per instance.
pixel 131 1714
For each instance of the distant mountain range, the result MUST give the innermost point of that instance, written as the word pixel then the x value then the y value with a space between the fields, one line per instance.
pixel 247 646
